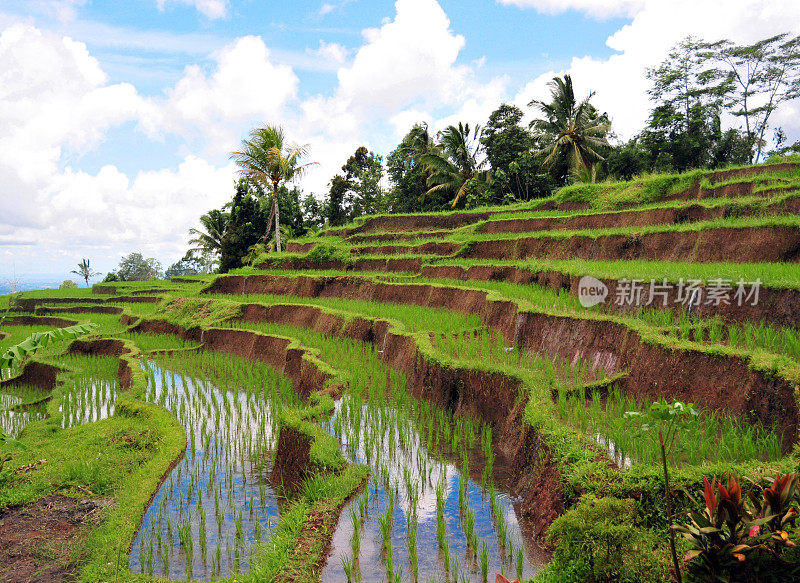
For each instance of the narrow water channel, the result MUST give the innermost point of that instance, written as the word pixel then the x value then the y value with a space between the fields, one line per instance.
pixel 216 503
pixel 468 526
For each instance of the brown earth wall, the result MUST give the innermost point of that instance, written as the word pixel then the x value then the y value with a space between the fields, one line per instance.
pixel 717 382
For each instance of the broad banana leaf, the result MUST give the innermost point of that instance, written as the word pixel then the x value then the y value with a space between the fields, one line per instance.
pixel 39 340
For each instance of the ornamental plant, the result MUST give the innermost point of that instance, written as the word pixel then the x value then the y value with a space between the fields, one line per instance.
pixel 737 534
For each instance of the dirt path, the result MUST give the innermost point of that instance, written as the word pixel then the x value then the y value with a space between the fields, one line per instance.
pixel 38 541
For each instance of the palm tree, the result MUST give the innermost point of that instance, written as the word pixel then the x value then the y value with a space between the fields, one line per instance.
pixel 210 239
pixel 574 129
pixel 85 271
pixel 268 160
pixel 454 160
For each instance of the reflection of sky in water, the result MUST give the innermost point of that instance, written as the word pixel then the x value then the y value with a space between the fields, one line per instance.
pixel 88 401
pixel 426 471
pixel 12 422
pixel 218 479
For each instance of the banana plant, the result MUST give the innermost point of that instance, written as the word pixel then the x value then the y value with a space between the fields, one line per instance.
pixel 38 340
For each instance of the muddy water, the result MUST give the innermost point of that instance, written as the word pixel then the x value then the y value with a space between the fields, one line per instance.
pixel 216 502
pixel 396 467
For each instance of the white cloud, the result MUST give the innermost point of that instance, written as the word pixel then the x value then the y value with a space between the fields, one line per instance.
pixel 208 8
pixel 330 52
pixel 53 95
pixel 596 8
pixel 409 61
pixel 244 86
pixel 326 8
pixel 55 98
pixel 620 81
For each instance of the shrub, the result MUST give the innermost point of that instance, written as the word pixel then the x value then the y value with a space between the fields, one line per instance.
pixel 599 540
pixel 68 284
pixel 327 252
pixel 744 536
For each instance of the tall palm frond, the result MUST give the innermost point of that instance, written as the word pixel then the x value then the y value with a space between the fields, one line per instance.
pixel 85 271
pixel 210 239
pixel 454 160
pixel 268 160
pixel 573 128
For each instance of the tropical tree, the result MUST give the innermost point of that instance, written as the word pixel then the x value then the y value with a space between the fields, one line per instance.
pixel 269 160
pixel 760 77
pixel 574 131
pixel 209 240
pixel 134 267
pixel 246 226
pixel 357 191
pixel 85 271
pixel 454 161
pixel 407 173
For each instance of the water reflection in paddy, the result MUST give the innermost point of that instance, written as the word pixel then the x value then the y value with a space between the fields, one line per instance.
pixel 217 501
pixel 473 510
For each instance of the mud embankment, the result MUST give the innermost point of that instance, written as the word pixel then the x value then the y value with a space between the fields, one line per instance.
pixel 30 304
pixel 654 369
pixel 430 248
pixel 692 213
pixel 79 310
pixel 275 351
pixel 38 321
pixel 778 306
pixel 35 374
pixel 33 304
pixel 737 245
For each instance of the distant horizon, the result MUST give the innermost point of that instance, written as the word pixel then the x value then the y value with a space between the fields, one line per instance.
pixel 34 281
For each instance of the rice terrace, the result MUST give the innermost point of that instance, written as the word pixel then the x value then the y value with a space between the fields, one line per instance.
pixel 525 350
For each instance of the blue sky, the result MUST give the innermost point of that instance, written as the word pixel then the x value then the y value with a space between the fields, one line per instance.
pixel 117 117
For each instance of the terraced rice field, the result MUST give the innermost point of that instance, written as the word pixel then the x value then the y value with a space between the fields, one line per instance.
pixel 416 397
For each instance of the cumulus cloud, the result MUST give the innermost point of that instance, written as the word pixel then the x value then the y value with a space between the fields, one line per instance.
pixel 330 52
pixel 409 61
pixel 620 81
pixel 55 98
pixel 244 85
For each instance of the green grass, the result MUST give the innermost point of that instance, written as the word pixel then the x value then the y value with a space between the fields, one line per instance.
pixel 774 275
pixel 707 439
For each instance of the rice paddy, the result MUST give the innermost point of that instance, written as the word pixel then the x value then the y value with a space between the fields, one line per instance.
pixel 217 501
pixel 411 466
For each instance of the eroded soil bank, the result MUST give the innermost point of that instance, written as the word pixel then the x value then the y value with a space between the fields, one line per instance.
pixel 654 369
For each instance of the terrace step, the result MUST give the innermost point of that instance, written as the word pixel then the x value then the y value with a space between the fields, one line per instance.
pixel 656 367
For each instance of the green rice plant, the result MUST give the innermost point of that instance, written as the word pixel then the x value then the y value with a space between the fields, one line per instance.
pixel 347 567
pixel 184 528
pixel 484 562
pixel 520 562
pixel 385 521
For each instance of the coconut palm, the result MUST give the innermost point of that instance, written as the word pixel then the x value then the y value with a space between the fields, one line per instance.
pixel 209 240
pixel 454 160
pixel 573 129
pixel 268 160
pixel 85 271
